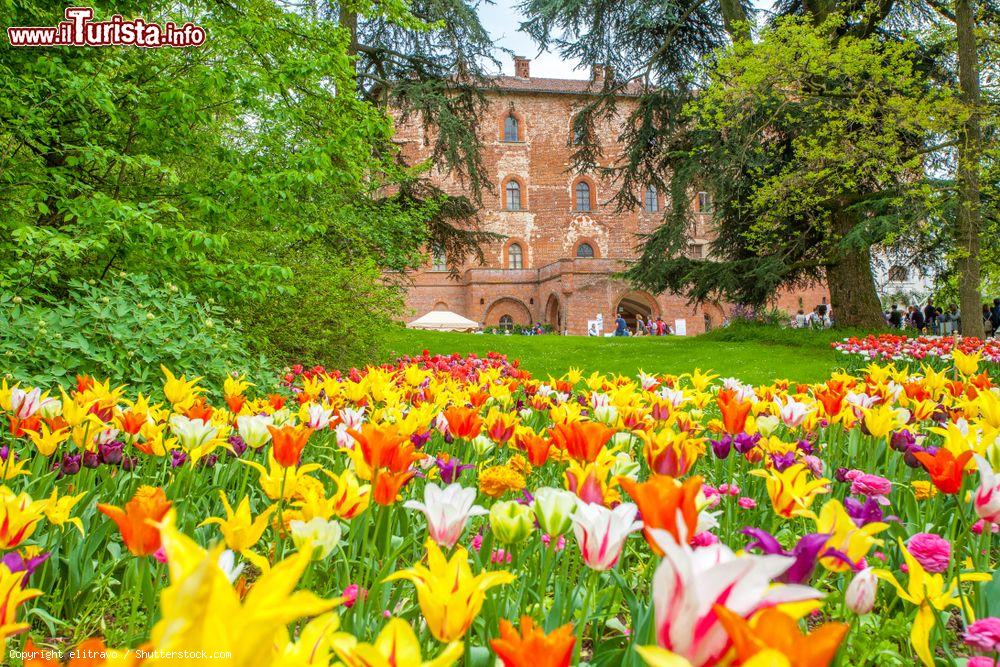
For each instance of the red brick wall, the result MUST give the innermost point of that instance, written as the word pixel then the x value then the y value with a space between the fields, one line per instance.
pixel 553 284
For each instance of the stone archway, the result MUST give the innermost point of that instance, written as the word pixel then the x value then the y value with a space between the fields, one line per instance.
pixel 553 313
pixel 504 308
pixel 635 303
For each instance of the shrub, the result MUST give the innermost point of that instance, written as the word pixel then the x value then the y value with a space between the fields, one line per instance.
pixel 123 329
pixel 336 314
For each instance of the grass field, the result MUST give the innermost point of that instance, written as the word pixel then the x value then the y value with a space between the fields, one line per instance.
pixel 752 356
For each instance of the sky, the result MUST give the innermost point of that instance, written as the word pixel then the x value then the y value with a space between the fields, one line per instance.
pixel 502 19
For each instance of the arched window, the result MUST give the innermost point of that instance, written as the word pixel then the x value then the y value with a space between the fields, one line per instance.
pixel 513 190
pixel 439 261
pixel 579 130
pixel 585 250
pixel 652 201
pixel 583 197
pixel 510 130
pixel 515 258
pixel 506 322
pixel 704 202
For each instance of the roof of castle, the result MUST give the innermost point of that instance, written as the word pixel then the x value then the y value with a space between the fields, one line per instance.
pixel 558 86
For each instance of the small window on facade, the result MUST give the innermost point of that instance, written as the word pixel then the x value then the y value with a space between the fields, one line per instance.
pixel 898 274
pixel 585 250
pixel 582 197
pixel 506 322
pixel 510 133
pixel 515 259
pixel 652 201
pixel 704 202
pixel 439 261
pixel 697 251
pixel 579 132
pixel 513 190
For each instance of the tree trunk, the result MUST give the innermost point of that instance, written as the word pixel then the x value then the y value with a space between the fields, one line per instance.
pixel 849 277
pixel 968 219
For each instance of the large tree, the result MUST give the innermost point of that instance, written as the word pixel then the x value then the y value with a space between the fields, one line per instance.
pixel 669 49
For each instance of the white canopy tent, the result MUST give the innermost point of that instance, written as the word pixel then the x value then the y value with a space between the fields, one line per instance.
pixel 443 320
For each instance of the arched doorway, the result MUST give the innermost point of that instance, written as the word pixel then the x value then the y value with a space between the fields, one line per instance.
pixel 553 313
pixel 634 304
pixel 507 312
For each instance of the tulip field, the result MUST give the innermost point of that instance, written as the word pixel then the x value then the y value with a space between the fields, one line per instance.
pixel 456 510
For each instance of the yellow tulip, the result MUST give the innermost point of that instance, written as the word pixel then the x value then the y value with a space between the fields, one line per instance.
pixel 13 596
pixel 450 595
pixel 845 535
pixel 202 611
pixel 19 516
pixel 239 529
pixel 47 440
pixel 967 364
pixel 396 646
pixel 791 490
pixel 882 420
pixel 351 497
pixel 75 410
pixel 179 389
pixel 927 592
pixel 272 476
pixel 57 509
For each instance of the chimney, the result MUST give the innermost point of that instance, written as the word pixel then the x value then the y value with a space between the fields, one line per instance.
pixel 599 72
pixel 521 67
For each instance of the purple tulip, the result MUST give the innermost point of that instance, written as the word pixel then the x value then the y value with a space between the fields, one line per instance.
pixel 902 440
pixel 238 446
pixel 721 448
pixel 868 512
pixel 111 452
pixel 451 469
pixel 806 552
pixel 91 460
pixel 177 458
pixel 70 464
pixel 783 461
pixel 420 439
pixel 15 562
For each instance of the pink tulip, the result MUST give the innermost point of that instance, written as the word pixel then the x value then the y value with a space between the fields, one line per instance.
pixel 987 498
pixel 601 532
pixel 860 594
pixel 933 552
pixel 689 582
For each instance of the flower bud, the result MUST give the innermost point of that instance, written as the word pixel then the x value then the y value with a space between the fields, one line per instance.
pixel 860 594
pixel 318 534
pixel 510 521
pixel 554 510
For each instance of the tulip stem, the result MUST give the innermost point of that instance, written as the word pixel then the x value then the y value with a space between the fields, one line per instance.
pixel 584 614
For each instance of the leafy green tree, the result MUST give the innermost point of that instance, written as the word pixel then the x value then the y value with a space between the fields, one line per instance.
pixel 207 167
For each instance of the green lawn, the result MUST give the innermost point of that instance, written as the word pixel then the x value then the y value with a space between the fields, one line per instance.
pixel 803 358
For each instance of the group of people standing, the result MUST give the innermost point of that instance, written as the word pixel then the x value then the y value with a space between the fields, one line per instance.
pixel 643 327
pixel 818 318
pixel 939 321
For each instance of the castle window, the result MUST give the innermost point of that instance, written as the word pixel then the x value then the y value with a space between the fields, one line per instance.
pixel 583 197
pixel 704 202
pixel 439 261
pixel 506 322
pixel 515 258
pixel 513 191
pixel 652 202
pixel 898 274
pixel 510 130
pixel 585 250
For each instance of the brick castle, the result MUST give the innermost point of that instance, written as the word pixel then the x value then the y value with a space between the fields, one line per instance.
pixel 563 243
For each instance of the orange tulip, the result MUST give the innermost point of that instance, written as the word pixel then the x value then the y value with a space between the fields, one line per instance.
pixel 535 446
pixel 660 501
pixel 500 426
pixel 832 400
pixel 945 468
pixel 583 441
pixel 734 411
pixel 463 422
pixel 777 632
pixel 383 446
pixel 288 442
pixel 532 647
pixel 90 653
pixel 236 403
pixel 132 422
pixel 199 410
pixel 388 485
pixel 135 521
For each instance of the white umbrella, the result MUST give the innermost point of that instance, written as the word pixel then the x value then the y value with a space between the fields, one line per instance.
pixel 443 320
